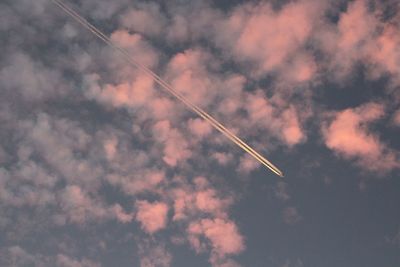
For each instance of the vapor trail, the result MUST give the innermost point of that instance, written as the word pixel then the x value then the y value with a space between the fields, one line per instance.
pixel 200 112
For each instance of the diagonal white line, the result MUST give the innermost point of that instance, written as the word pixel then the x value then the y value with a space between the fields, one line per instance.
pixel 200 112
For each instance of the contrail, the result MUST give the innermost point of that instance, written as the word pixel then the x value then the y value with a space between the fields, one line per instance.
pixel 200 112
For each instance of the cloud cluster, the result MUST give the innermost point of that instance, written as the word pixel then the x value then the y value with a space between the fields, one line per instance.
pixel 348 135
pixel 87 140
pixel 152 216
pixel 16 256
pixel 277 45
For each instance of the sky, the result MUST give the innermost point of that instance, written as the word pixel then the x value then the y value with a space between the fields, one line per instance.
pixel 101 167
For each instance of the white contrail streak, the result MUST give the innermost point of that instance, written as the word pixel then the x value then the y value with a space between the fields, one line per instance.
pixel 200 112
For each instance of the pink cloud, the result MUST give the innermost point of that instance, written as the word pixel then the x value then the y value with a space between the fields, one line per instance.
pixel 271 44
pixel 162 108
pixel 224 262
pixel 176 148
pixel 152 216
pixel 222 158
pixel 355 30
pixel 199 127
pixel 292 132
pixel 134 94
pixel 223 236
pixel 361 36
pixel 268 37
pixel 208 201
pixel 188 74
pixel 192 200
pixel 181 202
pixel 281 121
pixel 348 135
pixel 139 49
pixel 302 68
pixel 110 147
pixel 355 25
pixel 384 54
pixel 247 164
pixel 258 107
pixel 232 96
pixel 121 215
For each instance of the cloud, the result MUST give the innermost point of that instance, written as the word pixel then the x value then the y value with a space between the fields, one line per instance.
pixel 65 261
pixel 17 256
pixel 130 95
pixel 385 53
pixel 152 215
pixel 88 142
pixel 138 48
pixel 222 235
pixel 283 123
pixel 348 135
pixel 147 180
pixel 281 191
pixel 247 164
pixel 79 207
pixel 121 215
pixel 176 149
pixel 356 28
pixel 190 201
pixel 190 73
pixel 291 215
pixel 222 158
pixel 362 36
pixel 199 127
pixel 154 255
pixel 30 185
pixel 103 10
pixel 145 19
pixel 266 37
pixel 35 8
pixel 292 132
pixel 207 201
pixel 396 118
pixel 59 141
pixel 34 80
pixel 351 31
